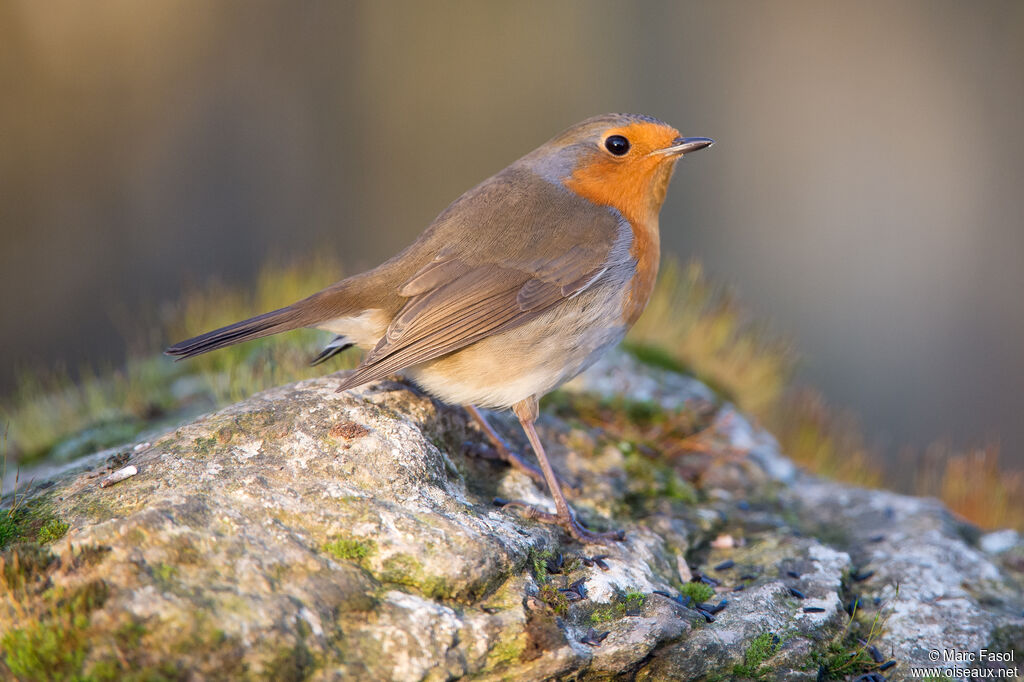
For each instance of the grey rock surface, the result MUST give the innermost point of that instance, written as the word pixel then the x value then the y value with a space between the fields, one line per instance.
pixel 307 534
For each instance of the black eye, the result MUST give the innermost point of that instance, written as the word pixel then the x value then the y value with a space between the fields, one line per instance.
pixel 617 145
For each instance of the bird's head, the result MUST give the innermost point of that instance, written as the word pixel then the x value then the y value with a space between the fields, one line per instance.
pixel 620 160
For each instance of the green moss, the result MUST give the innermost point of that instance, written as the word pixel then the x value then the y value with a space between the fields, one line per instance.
pixel 54 646
pixel 349 549
pixel 24 564
pixel 292 663
pixel 655 356
pixel 506 651
pixel 42 651
pixel 603 613
pixel 203 446
pixel 625 604
pixel 404 569
pixel 52 530
pixel 164 573
pixel 652 479
pixel 760 649
pixel 29 520
pixel 698 592
pixel 539 564
pixel 846 655
pixel 553 597
pixel 843 658
pixel 8 529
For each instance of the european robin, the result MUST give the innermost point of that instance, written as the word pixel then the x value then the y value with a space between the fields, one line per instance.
pixel 517 287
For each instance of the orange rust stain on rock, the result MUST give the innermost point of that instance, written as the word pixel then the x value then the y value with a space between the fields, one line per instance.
pixel 348 430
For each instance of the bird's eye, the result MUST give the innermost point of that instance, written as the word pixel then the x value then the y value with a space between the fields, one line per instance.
pixel 617 145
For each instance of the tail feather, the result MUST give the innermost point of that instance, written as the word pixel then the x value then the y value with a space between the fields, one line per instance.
pixel 267 324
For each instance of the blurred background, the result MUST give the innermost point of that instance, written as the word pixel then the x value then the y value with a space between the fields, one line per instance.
pixel 866 195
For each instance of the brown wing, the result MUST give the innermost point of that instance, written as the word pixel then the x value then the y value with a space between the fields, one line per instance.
pixel 471 303
pixel 501 255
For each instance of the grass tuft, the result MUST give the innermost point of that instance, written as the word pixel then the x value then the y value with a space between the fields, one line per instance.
pixel 974 485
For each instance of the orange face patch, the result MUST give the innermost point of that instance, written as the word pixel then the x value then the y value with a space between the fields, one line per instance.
pixel 635 185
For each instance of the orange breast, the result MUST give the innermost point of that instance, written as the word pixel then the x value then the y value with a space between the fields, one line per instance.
pixel 647 252
pixel 637 191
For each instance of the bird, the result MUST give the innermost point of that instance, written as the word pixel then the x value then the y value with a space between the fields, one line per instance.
pixel 515 288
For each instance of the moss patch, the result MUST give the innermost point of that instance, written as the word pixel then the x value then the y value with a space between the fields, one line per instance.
pixel 349 549
pixel 698 592
pixel 625 604
pixel 405 569
pixel 553 597
pixel 54 643
pixel 760 649
pixel 507 651
pixel 51 531
pixel 31 521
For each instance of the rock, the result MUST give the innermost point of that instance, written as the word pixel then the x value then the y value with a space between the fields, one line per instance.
pixel 999 541
pixel 307 534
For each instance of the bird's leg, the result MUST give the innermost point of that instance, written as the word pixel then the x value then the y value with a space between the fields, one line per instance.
pixel 527 411
pixel 503 451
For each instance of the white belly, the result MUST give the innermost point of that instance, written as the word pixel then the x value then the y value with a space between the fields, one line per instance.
pixel 529 360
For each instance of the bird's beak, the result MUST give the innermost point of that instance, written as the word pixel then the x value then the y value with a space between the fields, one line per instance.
pixel 684 145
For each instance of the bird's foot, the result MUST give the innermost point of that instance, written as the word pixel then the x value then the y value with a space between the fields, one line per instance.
pixel 568 522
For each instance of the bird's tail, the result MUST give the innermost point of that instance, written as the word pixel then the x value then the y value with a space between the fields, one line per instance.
pixel 337 300
pixel 267 324
pixel 349 297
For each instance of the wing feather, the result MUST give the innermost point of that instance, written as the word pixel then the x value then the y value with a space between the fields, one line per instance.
pixel 480 282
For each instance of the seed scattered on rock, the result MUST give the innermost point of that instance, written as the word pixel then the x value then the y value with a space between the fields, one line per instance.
pixel 681 599
pixel 739 588
pixel 575 591
pixel 119 475
pixel 725 565
pixel 813 609
pixel 870 677
pixel 793 574
pixel 593 637
pixel 876 538
pixel 699 577
pixel 707 616
pixel 857 576
pixel 888 665
pixel 713 608
pixel 875 654
pixel 797 593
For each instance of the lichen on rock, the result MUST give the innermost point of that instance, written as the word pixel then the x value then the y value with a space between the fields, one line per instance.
pixel 307 534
